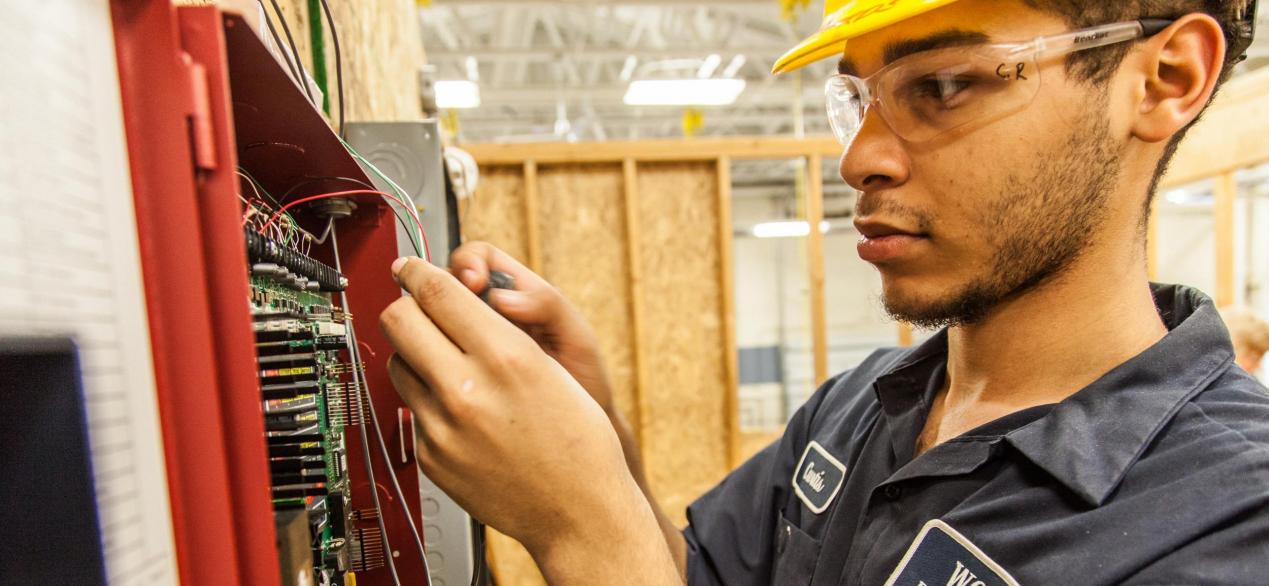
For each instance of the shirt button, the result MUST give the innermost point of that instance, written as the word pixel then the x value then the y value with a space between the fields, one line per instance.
pixel 892 492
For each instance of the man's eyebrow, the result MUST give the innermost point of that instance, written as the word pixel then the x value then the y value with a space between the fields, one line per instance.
pixel 900 49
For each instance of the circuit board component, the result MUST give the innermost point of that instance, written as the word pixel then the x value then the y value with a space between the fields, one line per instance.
pixel 301 343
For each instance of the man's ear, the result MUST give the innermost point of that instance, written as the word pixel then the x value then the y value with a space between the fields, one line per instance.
pixel 1179 69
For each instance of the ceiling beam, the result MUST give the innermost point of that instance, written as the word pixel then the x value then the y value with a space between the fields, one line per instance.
pixel 551 54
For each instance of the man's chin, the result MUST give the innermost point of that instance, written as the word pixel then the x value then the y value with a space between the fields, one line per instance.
pixel 931 307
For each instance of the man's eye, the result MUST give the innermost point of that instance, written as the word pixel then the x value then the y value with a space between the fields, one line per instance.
pixel 939 91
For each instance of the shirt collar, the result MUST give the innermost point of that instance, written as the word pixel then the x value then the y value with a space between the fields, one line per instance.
pixel 1089 441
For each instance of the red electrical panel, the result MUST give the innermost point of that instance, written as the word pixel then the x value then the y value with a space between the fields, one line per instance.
pixel 201 96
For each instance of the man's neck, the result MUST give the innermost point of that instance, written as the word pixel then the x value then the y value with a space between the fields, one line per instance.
pixel 1044 346
pixel 1047 344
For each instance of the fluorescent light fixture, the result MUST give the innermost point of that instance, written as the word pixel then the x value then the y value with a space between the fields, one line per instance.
pixel 792 229
pixel 457 94
pixel 710 66
pixel 734 67
pixel 684 92
pixel 1190 198
pixel 473 69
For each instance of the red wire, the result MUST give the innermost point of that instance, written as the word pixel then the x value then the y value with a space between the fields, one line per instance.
pixel 427 250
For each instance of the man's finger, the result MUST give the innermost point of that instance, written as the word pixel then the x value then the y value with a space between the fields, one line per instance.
pixel 420 343
pixel 418 396
pixel 462 316
pixel 472 262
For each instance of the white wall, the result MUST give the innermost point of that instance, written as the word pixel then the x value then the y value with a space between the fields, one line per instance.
pixel 1187 241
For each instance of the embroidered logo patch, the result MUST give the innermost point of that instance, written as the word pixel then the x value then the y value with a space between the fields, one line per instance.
pixel 818 477
pixel 942 556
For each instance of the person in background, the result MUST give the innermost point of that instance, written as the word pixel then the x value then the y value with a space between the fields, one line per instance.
pixel 1250 335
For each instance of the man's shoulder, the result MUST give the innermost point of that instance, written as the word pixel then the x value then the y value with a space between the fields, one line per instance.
pixel 1217 442
pixel 1235 406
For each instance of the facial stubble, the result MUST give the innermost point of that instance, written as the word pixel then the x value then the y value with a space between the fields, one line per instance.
pixel 1039 226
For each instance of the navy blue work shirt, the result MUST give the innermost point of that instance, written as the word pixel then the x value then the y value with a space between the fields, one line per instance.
pixel 1158 473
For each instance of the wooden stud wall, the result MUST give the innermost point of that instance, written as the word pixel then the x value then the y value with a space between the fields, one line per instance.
pixel 641 242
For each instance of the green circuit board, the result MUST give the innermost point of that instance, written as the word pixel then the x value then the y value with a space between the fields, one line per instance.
pixel 301 341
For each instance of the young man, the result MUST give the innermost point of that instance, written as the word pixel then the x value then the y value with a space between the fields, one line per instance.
pixel 1071 424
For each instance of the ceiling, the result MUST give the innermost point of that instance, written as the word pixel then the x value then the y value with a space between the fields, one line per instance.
pixel 558 70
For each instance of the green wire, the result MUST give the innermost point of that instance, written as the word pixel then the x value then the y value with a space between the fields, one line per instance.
pixel 405 198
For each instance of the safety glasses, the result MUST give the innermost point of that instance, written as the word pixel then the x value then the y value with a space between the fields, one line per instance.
pixel 931 93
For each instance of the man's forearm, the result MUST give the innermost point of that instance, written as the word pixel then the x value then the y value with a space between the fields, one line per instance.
pixel 673 535
pixel 622 545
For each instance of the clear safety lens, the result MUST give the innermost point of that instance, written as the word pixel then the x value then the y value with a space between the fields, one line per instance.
pixel 848 102
pixel 927 95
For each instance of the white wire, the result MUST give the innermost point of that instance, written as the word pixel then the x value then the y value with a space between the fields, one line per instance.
pixel 365 440
pixel 405 196
pixel 368 403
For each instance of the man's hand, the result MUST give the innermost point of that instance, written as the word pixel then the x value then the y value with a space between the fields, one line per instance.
pixel 541 311
pixel 504 430
pixel 559 329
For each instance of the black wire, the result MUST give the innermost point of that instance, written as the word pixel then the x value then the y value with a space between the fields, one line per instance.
pixel 299 77
pixel 312 180
pixel 276 39
pixel 339 64
pixel 404 226
pixel 478 544
pixel 354 355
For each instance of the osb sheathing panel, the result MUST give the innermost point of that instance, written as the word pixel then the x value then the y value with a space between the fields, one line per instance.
pixel 510 563
pixel 383 53
pixel 684 433
pixel 583 230
pixel 496 215
pixel 382 48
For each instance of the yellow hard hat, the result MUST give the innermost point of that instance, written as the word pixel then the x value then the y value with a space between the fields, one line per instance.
pixel 847 19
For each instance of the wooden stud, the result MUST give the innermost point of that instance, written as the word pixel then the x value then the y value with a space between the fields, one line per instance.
pixel 1231 135
pixel 531 215
pixel 630 177
pixel 727 284
pixel 697 149
pixel 815 265
pixel 1226 193
pixel 906 336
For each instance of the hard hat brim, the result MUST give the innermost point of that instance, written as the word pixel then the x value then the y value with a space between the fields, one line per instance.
pixel 855 19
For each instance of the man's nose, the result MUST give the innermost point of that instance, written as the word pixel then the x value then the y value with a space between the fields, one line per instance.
pixel 876 159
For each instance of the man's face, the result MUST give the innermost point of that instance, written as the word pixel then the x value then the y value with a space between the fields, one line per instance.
pixel 961 223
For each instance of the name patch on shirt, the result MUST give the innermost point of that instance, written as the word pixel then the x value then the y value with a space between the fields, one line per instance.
pixel 818 478
pixel 941 556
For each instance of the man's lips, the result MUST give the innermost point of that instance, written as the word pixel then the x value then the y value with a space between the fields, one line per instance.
pixel 882 241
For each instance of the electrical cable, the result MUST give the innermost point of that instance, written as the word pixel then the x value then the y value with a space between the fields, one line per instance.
pixel 277 40
pixel 369 405
pixel 387 459
pixel 393 184
pixel 478 547
pixel 330 224
pixel 418 249
pixel 339 64
pixel 299 65
pixel 365 440
pixel 362 193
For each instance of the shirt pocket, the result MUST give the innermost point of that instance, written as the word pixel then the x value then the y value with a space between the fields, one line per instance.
pixel 795 556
